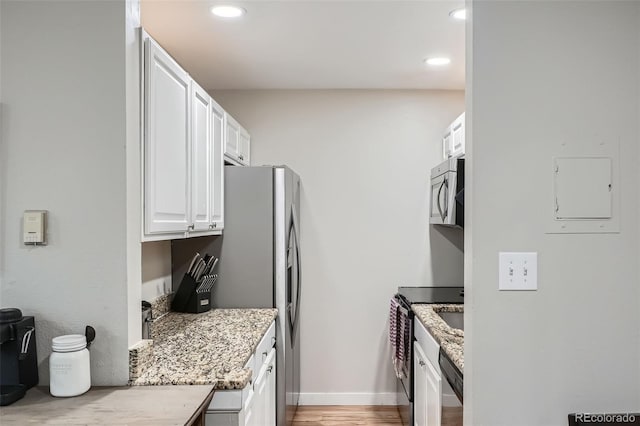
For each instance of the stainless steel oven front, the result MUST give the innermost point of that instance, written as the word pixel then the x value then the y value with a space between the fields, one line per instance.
pixel 447 187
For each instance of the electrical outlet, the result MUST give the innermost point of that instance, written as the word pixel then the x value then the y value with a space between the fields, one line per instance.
pixel 518 271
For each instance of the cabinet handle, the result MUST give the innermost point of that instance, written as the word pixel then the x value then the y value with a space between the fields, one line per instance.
pixel 241 157
pixel 421 362
pixel 191 227
pixel 213 225
pixel 270 368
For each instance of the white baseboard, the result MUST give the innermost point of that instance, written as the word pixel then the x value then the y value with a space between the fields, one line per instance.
pixel 450 400
pixel 384 398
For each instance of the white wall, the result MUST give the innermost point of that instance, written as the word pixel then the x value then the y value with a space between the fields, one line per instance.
pixel 133 167
pixel 156 269
pixel 64 133
pixel 542 72
pixel 364 158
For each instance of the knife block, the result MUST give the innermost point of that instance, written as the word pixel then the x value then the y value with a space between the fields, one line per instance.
pixel 191 296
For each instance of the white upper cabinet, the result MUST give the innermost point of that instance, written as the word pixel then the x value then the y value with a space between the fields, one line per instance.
pixel 237 147
pixel 217 166
pixel 245 147
pixel 453 139
pixel 166 143
pixel 184 133
pixel 201 184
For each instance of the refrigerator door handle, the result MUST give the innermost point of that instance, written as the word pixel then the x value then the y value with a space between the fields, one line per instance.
pixel 289 287
pixel 298 271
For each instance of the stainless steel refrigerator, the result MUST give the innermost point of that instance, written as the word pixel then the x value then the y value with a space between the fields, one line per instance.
pixel 260 263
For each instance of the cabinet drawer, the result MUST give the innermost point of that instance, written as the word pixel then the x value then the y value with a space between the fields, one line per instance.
pixel 263 349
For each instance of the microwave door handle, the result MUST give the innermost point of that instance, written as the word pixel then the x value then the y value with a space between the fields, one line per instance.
pixel 446 199
pixel 438 199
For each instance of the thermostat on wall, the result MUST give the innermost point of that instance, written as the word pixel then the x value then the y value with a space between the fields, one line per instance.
pixel 34 225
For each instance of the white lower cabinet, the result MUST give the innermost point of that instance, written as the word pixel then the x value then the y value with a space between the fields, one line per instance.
pixel 255 405
pixel 434 396
pixel 249 410
pixel 263 411
pixel 430 392
pixel 419 386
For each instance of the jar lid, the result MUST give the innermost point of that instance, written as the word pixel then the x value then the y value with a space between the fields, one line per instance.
pixel 69 343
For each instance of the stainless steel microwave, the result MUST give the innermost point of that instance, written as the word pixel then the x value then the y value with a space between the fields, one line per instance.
pixel 447 193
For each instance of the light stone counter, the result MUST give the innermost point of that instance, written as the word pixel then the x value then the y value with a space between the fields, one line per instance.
pixel 201 349
pixel 451 340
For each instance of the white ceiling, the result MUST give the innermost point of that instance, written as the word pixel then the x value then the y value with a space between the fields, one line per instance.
pixel 300 44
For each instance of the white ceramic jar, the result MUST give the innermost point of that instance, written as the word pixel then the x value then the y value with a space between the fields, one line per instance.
pixel 69 366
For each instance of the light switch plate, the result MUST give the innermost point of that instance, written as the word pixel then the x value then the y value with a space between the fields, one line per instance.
pixel 518 271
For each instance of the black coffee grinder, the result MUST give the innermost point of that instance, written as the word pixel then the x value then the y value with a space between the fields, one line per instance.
pixel 19 362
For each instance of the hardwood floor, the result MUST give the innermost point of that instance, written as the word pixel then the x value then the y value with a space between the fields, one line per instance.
pixel 378 415
pixel 340 415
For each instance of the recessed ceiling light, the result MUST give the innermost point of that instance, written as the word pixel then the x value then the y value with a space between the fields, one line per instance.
pixel 225 11
pixel 437 61
pixel 460 14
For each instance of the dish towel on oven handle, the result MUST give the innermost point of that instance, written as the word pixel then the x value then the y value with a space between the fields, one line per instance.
pixel 399 339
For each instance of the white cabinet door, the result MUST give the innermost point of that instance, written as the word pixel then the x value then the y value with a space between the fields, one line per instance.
pixel 244 154
pixel 434 389
pixel 453 139
pixel 260 408
pixel 447 143
pixel 237 147
pixel 201 182
pixel 419 386
pixel 264 402
pixel 457 130
pixel 167 143
pixel 427 390
pixel 217 166
pixel 267 391
pixel 248 417
pixel 259 395
pixel 232 138
pixel 271 389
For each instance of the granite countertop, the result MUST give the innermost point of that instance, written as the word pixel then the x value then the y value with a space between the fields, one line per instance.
pixel 451 340
pixel 204 349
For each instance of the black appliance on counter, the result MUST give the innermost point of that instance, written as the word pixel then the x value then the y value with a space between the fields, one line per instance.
pixel 407 296
pixel 18 361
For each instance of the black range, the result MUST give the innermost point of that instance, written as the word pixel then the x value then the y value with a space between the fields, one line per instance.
pixel 407 296
pixel 440 295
